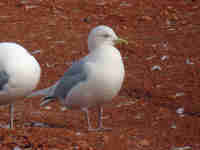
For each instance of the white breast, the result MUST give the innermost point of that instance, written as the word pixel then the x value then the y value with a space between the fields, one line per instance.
pixel 22 68
pixel 110 74
pixel 105 71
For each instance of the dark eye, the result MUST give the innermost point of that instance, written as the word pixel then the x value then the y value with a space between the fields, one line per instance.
pixel 106 35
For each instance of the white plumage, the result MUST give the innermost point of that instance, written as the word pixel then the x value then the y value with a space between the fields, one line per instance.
pixel 93 80
pixel 19 74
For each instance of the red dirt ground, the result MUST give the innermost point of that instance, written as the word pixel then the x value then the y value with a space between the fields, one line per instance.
pixel 143 116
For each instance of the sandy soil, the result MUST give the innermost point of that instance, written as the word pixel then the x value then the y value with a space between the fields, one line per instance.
pixel 162 73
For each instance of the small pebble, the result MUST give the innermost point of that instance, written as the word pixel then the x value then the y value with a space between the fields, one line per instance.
pixel 27 7
pixel 78 133
pixel 59 42
pixel 125 4
pixel 17 148
pixel 87 19
pixel 173 126
pixel 5 126
pixel 156 68
pixel 164 58
pixel 189 62
pixel 50 65
pixel 36 51
pixel 76 147
pixel 180 94
pixel 182 148
pixel 180 111
pixel 138 116
pixel 47 107
pixel 150 57
pixel 165 44
pixel 144 142
pixel 39 124
pixel 63 108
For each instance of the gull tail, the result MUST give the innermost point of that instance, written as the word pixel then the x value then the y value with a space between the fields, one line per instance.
pixel 42 92
pixel 48 92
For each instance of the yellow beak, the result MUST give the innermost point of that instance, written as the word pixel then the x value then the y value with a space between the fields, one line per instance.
pixel 119 40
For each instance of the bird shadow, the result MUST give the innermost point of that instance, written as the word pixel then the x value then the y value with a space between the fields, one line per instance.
pixel 43 125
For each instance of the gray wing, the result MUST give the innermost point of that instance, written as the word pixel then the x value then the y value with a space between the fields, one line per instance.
pixel 3 79
pixel 74 75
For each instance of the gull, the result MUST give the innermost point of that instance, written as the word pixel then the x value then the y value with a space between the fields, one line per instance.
pixel 93 80
pixel 19 75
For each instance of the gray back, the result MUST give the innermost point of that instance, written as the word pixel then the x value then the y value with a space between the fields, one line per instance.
pixel 71 77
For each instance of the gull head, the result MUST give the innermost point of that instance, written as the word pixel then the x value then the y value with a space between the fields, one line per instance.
pixel 103 35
